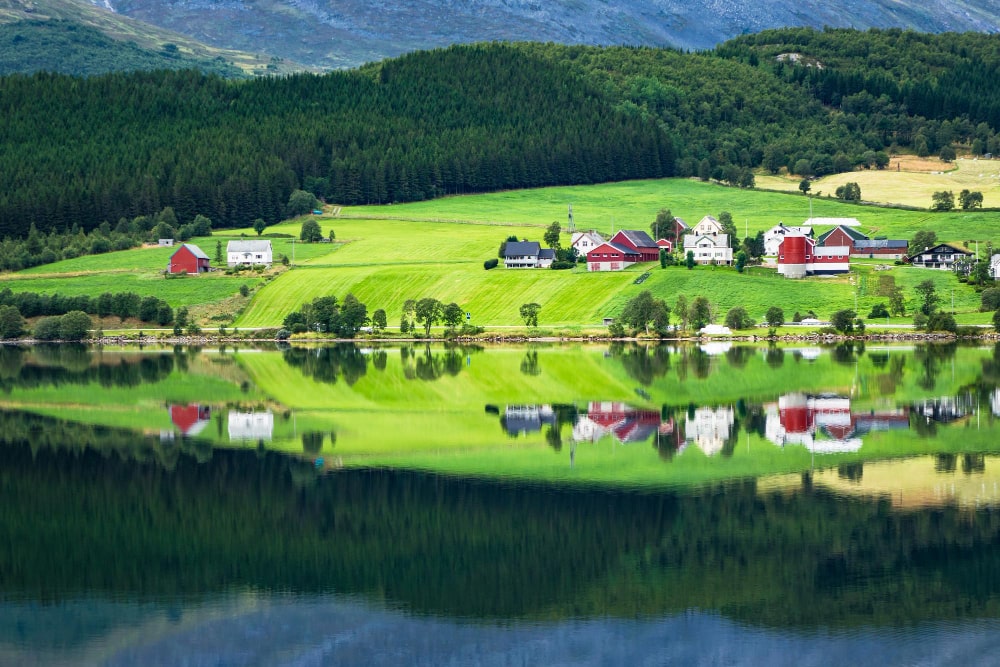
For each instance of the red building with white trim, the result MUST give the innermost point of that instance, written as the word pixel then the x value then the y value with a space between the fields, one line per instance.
pixel 638 241
pixel 800 256
pixel 611 257
pixel 188 259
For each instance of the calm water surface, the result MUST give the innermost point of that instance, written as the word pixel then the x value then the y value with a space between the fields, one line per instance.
pixel 517 505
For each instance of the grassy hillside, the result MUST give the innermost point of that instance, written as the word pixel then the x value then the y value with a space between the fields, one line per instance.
pixel 386 255
pixel 412 253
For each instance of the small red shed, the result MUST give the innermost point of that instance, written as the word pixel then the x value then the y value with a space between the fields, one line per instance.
pixel 188 258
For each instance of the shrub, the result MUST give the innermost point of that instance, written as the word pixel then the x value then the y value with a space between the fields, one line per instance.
pixel 491 263
pixel 12 325
pixel 990 299
pixel 244 290
pixel 283 334
pixel 879 310
pixel 47 328
pixel 616 329
pixel 738 318
pixel 941 321
pixel 775 317
pixel 843 320
pixel 560 265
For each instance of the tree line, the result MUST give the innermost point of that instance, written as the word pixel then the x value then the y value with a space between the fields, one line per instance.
pixel 478 118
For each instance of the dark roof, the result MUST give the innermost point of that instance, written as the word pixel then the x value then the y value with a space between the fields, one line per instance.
pixel 639 238
pixel 851 233
pixel 546 253
pixel 193 249
pixel 944 248
pixel 881 243
pixel 521 248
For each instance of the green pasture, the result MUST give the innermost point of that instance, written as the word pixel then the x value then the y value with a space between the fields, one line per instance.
pixel 633 204
pixel 385 255
pixel 581 298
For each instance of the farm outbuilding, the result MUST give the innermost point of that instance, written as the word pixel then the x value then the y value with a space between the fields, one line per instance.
pixel 188 259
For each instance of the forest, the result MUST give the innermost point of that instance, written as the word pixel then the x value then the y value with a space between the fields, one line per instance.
pixel 484 117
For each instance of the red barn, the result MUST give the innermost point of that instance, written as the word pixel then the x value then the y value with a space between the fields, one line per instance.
pixel 188 259
pixel 611 257
pixel 638 241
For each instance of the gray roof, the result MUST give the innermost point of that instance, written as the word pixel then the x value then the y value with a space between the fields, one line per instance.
pixel 639 238
pixel 248 246
pixel 522 249
pixel 881 243
pixel 195 250
pixel 546 253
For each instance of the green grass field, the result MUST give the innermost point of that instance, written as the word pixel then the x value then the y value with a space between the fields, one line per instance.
pixel 385 255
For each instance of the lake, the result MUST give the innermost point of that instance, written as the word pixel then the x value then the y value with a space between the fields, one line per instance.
pixel 516 505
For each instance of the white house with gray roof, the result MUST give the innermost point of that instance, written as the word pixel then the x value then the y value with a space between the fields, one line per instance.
pixel 249 253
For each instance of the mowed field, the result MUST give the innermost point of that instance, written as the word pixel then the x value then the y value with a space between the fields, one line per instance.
pixel 913 185
pixel 387 254
pixel 436 249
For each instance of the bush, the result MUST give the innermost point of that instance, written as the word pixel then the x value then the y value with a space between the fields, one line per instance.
pixel 283 334
pixel 738 318
pixel 47 328
pixel 990 299
pixel 879 310
pixel 941 321
pixel 843 320
pixel 561 265
pixel 75 325
pixel 616 329
pixel 12 325
pixel 491 263
pixel 244 290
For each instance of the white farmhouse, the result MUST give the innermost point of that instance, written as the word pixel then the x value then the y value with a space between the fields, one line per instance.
pixel 248 253
pixel 584 242
pixel 709 242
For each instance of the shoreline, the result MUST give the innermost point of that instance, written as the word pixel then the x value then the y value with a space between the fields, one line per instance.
pixel 821 338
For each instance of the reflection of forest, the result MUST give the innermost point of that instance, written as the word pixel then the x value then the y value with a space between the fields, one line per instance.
pixel 77 522
pixel 47 365
pixel 350 362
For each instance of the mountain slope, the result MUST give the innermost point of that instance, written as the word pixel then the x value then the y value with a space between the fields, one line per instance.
pixel 77 37
pixel 342 33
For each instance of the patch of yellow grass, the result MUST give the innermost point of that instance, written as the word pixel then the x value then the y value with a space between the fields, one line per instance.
pixel 909 181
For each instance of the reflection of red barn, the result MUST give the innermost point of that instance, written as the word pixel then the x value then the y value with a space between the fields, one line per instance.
pixel 190 419
pixel 624 422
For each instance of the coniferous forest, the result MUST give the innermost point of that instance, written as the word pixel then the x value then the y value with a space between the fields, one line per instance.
pixel 80 151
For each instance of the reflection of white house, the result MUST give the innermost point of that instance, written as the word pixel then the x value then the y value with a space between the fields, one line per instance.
pixel 709 242
pixel 709 428
pixel 249 253
pixel 774 236
pixel 251 425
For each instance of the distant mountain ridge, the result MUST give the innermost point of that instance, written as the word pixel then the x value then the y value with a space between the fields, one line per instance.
pixel 345 33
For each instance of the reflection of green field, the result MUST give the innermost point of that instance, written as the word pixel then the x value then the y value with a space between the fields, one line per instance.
pixel 386 419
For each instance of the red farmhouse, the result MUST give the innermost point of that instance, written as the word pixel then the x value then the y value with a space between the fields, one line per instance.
pixel 638 241
pixel 611 257
pixel 188 258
